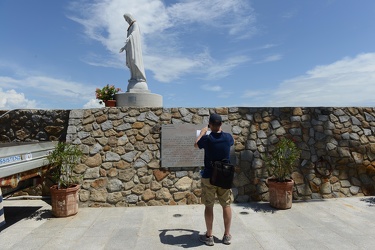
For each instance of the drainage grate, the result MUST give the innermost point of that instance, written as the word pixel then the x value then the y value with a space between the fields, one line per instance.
pixel 243 213
pixel 177 215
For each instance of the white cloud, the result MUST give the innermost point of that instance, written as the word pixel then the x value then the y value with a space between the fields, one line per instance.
pixel 214 13
pixel 170 68
pixel 266 46
pixel 59 87
pixel 270 58
pixel 23 92
pixel 165 55
pixel 347 82
pixel 214 88
pixel 10 99
pixel 93 103
pixel 7 82
pixel 220 69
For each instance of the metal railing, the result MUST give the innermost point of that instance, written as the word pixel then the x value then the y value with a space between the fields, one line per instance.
pixel 20 158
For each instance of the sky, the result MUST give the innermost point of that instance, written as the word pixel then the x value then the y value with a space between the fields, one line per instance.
pixel 211 53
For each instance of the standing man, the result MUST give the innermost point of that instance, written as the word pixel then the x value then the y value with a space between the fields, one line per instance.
pixel 216 147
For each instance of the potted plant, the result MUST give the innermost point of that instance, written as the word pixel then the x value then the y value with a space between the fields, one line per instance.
pixel 280 163
pixel 64 194
pixel 106 95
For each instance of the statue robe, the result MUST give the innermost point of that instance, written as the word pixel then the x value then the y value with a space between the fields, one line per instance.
pixel 134 59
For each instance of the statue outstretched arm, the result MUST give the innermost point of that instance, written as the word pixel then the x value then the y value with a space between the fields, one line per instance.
pixel 123 48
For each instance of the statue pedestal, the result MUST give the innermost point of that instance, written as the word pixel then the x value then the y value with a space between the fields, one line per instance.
pixel 137 86
pixel 138 99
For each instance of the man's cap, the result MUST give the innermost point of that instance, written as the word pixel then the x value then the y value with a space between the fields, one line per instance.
pixel 215 119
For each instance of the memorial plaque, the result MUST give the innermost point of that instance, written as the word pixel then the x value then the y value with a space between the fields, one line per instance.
pixel 177 145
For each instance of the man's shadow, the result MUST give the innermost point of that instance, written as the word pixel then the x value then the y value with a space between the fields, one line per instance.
pixel 185 238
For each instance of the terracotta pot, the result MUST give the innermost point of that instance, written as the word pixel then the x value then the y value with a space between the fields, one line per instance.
pixel 64 201
pixel 110 103
pixel 280 193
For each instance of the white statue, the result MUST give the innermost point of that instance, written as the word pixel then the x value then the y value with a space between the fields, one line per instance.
pixel 134 59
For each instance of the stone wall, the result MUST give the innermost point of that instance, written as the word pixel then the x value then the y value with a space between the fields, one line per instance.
pixel 122 163
pixel 33 125
pixel 121 166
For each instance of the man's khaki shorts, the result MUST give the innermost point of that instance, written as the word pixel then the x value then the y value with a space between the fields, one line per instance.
pixel 225 196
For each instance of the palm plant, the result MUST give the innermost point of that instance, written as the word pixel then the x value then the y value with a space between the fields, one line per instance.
pixel 63 159
pixel 282 160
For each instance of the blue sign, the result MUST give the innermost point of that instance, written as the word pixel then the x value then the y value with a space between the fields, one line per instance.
pixel 10 159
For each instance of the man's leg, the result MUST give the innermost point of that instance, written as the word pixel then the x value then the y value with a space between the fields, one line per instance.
pixel 227 216
pixel 209 218
pixel 208 199
pixel 226 198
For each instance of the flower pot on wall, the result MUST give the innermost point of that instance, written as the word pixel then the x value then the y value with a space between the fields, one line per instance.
pixel 64 201
pixel 280 193
pixel 110 103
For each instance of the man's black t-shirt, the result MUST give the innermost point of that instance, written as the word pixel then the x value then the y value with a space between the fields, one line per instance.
pixel 216 148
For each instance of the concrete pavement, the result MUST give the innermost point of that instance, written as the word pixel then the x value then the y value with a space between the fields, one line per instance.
pixel 344 223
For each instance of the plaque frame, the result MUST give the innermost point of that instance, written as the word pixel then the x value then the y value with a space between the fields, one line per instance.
pixel 177 145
